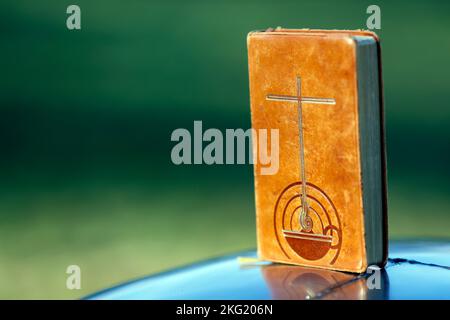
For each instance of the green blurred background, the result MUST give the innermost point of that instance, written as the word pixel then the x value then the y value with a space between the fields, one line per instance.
pixel 86 118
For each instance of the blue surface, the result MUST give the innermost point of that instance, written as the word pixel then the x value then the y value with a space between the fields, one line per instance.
pixel 416 270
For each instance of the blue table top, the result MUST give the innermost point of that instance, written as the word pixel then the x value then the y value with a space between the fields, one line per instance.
pixel 415 270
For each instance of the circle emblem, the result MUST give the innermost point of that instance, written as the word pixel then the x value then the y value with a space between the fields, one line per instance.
pixel 323 237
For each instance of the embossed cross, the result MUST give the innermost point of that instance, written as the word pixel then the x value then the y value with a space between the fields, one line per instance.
pixel 305 220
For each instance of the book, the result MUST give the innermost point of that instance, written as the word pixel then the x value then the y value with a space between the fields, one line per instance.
pixel 326 206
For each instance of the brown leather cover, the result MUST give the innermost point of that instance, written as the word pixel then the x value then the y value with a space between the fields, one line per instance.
pixel 325 61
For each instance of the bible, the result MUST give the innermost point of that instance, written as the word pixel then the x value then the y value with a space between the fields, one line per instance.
pixel 326 206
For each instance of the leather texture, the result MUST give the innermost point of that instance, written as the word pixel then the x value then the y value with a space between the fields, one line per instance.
pixel 325 63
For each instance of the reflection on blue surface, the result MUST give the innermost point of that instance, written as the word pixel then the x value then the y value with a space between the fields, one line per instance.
pixel 217 279
pixel 423 251
pixel 419 282
pixel 288 282
pixel 417 270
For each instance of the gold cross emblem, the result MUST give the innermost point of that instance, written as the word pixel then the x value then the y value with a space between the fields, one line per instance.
pixel 305 220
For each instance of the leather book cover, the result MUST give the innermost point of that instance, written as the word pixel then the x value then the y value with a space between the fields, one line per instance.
pixel 311 212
